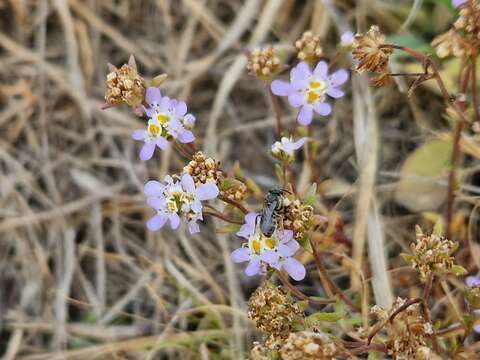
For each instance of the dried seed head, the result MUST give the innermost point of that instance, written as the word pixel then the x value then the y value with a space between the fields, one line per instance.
pixel 307 345
pixel 381 80
pixel 273 310
pixel 125 86
pixel 409 333
pixel 264 63
pixel 369 53
pixel 432 254
pixel 451 44
pixel 297 216
pixel 468 21
pixel 309 47
pixel 203 169
pixel 259 352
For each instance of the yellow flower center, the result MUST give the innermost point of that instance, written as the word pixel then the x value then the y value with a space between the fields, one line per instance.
pixel 162 118
pixel 312 96
pixel 256 245
pixel 153 129
pixel 172 206
pixel 269 243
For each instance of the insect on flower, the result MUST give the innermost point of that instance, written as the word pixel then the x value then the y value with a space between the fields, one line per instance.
pixel 272 206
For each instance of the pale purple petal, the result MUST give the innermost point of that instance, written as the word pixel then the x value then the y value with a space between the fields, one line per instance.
pixel 153 95
pixel 335 93
pixel 321 70
pixel 285 235
pixel 193 227
pixel 296 99
pixel 251 218
pixel 305 116
pixel 186 136
pixel 148 111
pixel 248 228
pixel 285 250
pixel 294 268
pixel 270 257
pixel 165 103
pixel 153 188
pixel 347 38
pixel 338 77
pixel 188 183
pixel 180 108
pixel 472 281
pixel 174 221
pixel 280 88
pixel 147 151
pixel 291 146
pixel 139 134
pixel 189 120
pixel 323 109
pixel 300 72
pixel 196 206
pixel 289 248
pixel 207 191
pixel 457 3
pixel 253 267
pixel 156 202
pixel 240 255
pixel 156 222
pixel 476 328
pixel 161 142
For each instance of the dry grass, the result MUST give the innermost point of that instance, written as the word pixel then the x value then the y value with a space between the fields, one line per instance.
pixel 80 277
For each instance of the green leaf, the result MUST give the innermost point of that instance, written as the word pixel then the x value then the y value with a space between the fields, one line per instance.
pixel 279 172
pixel 310 197
pixel 438 228
pixel 325 317
pixel 303 305
pixel 305 244
pixel 459 270
pixel 420 187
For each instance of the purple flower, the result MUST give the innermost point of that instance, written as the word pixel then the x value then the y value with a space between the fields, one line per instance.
pixel 260 251
pixel 176 198
pixel 168 119
pixel 458 3
pixel 346 39
pixel 472 281
pixel 308 91
pixel 285 148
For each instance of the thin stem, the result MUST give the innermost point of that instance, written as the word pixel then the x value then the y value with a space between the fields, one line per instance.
pixel 277 110
pixel 300 294
pixel 474 87
pixel 328 284
pixel 222 217
pixel 234 203
pixel 182 151
pixel 426 311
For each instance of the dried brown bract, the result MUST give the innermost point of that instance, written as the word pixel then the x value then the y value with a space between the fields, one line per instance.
pixel 450 44
pixel 309 47
pixel 307 345
pixel 273 310
pixel 409 333
pixel 297 217
pixel 432 254
pixel 203 169
pixel 124 85
pixel 468 21
pixel 371 55
pixel 264 63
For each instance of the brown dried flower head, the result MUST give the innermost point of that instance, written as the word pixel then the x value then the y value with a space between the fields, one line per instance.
pixel 307 345
pixel 309 47
pixel 264 63
pixel 369 53
pixel 468 21
pixel 432 254
pixel 233 189
pixel 297 216
pixel 259 352
pixel 273 310
pixel 125 85
pixel 450 44
pixel 409 333
pixel 203 169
